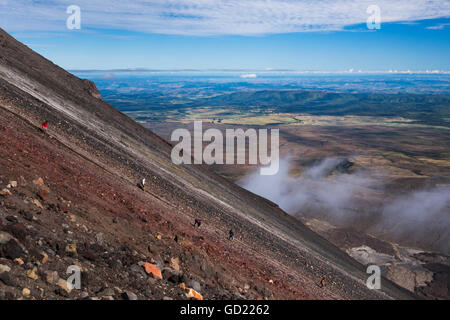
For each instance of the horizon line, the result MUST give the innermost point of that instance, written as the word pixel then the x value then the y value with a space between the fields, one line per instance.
pixel 268 70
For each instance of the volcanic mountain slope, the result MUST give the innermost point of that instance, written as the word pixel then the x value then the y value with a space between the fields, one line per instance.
pixel 69 196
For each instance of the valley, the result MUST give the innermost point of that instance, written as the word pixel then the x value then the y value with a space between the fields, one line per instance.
pixel 389 198
pixel 388 162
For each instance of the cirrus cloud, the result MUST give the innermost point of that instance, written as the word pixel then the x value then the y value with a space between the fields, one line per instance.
pixel 214 17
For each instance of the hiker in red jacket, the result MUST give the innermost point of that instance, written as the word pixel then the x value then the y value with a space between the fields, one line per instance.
pixel 45 124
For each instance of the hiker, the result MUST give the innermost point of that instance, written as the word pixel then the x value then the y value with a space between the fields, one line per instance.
pixel 142 184
pixel 44 126
pixel 231 235
pixel 322 283
pixel 197 223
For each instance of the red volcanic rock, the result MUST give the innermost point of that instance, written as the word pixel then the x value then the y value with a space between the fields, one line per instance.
pixel 43 194
pixel 152 270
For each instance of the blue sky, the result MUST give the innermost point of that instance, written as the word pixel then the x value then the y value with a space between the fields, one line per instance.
pixel 217 34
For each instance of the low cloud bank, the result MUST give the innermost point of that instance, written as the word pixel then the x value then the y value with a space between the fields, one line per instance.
pixel 313 189
pixel 328 190
pixel 422 216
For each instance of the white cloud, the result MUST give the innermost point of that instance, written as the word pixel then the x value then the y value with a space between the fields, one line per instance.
pixel 439 27
pixel 214 17
pixel 249 75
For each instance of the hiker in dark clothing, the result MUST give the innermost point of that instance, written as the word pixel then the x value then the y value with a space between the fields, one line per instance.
pixel 231 235
pixel 197 223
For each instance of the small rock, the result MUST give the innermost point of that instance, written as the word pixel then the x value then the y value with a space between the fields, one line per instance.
pixel 148 293
pixel 11 250
pixel 26 292
pixel 32 274
pixel 194 285
pixel 39 182
pixel 38 204
pixel 43 194
pixel 12 219
pixel 128 295
pixel 72 249
pixel 138 270
pixel 106 292
pixel 152 270
pixel 175 264
pixel 167 298
pixel 267 293
pixel 35 254
pixel 50 252
pixel 5 193
pixel 90 255
pixel 18 230
pixel 4 237
pixel 26 215
pixel 115 264
pixel 172 275
pixel 61 292
pixel 12 184
pixel 194 294
pixel 51 277
pixel 22 180
pixel 99 238
pixel 7 279
pixel 45 258
pixel 4 268
pixel 63 285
